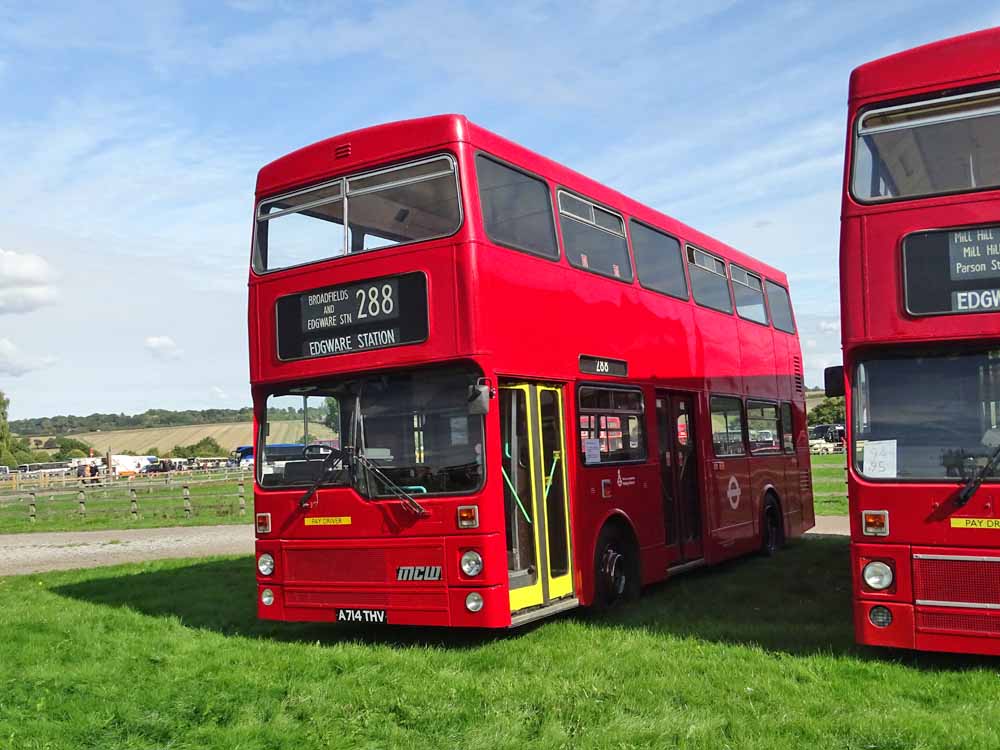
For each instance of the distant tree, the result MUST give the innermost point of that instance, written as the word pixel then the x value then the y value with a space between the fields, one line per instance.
pixel 50 444
pixel 4 426
pixel 332 417
pixel 828 411
pixel 153 451
pixel 129 453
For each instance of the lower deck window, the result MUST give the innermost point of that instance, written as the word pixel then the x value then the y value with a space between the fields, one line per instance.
pixel 611 425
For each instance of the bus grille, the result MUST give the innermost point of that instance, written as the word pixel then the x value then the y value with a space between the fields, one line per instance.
pixel 350 565
pixel 955 579
pixel 964 622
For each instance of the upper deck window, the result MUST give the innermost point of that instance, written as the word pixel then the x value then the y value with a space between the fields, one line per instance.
pixel 658 261
pixel 517 208
pixel 946 145
pixel 749 294
pixel 408 203
pixel 708 280
pixel 781 307
pixel 594 238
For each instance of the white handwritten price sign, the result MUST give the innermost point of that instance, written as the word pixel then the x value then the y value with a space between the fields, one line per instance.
pixel 880 459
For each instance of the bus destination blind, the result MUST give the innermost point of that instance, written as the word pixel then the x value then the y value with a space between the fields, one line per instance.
pixel 372 314
pixel 952 271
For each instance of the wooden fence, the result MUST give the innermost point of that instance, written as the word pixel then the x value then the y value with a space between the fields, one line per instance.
pixel 176 496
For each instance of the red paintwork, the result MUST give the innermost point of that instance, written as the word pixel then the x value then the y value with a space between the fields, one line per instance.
pixel 520 317
pixel 873 316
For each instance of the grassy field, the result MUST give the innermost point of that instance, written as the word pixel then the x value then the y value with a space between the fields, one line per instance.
pixel 212 502
pixel 829 484
pixel 754 654
pixel 228 435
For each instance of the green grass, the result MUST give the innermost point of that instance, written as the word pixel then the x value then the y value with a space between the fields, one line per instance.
pixel 212 502
pixel 754 654
pixel 829 485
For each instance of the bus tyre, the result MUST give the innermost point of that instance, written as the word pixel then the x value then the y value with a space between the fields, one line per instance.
pixel 616 568
pixel 772 531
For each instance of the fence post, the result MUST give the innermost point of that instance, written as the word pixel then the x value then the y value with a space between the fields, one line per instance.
pixel 133 505
pixel 32 512
pixel 241 493
pixel 169 483
pixel 81 497
pixel 187 501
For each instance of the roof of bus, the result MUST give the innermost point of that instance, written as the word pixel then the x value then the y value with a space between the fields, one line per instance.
pixel 960 60
pixel 395 140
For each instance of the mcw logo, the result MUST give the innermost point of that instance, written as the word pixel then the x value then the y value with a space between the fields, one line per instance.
pixel 418 573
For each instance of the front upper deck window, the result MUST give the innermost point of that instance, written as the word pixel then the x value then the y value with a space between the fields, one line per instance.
pixel 948 145
pixel 408 203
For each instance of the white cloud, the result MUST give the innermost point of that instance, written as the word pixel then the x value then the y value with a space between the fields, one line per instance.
pixel 15 363
pixel 829 326
pixel 217 394
pixel 24 282
pixel 163 347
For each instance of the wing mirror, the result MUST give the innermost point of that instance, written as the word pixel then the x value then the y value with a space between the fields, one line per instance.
pixel 833 381
pixel 479 397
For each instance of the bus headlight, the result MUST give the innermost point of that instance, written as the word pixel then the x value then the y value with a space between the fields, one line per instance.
pixel 474 602
pixel 267 597
pixel 265 564
pixel 877 575
pixel 472 563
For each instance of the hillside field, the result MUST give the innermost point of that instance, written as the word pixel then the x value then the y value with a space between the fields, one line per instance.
pixel 228 435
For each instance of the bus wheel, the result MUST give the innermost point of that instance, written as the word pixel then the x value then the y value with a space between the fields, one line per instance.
pixel 772 531
pixel 616 568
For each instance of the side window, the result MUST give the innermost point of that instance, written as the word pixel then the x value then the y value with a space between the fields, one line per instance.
pixel 611 425
pixel 749 294
pixel 594 239
pixel 517 208
pixel 708 280
pixel 658 261
pixel 787 433
pixel 763 427
pixel 727 426
pixel 781 307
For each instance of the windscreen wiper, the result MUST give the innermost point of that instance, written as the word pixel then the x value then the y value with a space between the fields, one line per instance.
pixel 976 480
pixel 408 501
pixel 322 478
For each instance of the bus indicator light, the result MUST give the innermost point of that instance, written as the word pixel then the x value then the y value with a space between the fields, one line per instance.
pixel 263 523
pixel 876 522
pixel 468 516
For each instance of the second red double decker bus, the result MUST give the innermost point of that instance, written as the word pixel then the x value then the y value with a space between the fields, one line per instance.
pixel 488 389
pixel 920 306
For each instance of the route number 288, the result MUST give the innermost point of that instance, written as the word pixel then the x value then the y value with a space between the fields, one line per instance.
pixel 375 301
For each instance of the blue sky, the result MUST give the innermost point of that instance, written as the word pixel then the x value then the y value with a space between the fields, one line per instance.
pixel 132 132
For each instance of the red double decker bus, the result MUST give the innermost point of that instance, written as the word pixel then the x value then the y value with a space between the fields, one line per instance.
pixel 920 305
pixel 488 389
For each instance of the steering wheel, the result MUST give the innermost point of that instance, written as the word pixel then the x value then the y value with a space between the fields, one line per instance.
pixel 319 450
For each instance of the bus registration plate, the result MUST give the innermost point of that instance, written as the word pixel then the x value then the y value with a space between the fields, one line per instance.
pixel 368 616
pixel 357 317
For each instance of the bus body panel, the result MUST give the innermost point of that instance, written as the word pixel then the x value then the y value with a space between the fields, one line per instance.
pixel 516 318
pixel 923 519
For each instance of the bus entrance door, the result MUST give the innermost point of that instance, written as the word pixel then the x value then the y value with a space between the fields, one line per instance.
pixel 679 475
pixel 535 497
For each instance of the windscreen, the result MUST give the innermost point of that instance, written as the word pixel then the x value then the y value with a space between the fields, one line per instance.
pixel 415 427
pixel 408 203
pixel 928 148
pixel 926 417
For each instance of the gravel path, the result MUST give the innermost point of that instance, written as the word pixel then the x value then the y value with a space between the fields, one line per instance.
pixel 837 525
pixel 34 553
